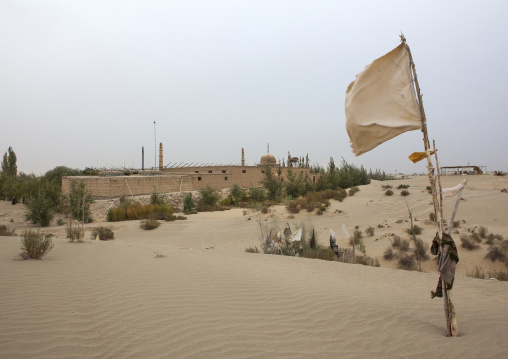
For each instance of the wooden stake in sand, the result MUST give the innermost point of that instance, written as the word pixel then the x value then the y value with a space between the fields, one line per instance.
pixel 380 104
pixel 449 307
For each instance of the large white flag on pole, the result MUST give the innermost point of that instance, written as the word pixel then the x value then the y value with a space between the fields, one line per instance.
pixel 381 102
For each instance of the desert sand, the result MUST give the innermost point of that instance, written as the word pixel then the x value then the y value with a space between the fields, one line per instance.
pixel 188 289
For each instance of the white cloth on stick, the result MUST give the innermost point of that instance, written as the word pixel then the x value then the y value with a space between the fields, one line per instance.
pixel 381 102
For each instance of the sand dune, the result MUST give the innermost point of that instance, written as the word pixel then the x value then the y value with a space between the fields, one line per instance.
pixel 208 298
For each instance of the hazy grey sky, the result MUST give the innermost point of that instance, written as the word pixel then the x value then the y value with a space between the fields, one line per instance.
pixel 81 82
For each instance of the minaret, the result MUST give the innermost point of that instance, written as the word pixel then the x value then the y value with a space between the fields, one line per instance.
pixel 161 163
pixel 243 157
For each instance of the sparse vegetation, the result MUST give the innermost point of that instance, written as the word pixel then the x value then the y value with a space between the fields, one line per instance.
pixel 404 193
pixel 104 233
pixel 252 249
pixel 149 224
pixel 478 272
pixel 135 210
pixel 80 200
pixel 421 249
pixel 75 234
pixel 388 192
pixel 496 252
pixel 407 262
pixel 432 216
pixel 35 244
pixel 4 231
pixel 403 186
pixel 188 204
pixel 156 198
pixel 388 254
pixel 370 231
pixel 417 230
pixel 468 243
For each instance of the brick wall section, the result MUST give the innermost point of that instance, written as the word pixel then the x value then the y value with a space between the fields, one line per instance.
pixel 123 185
pixel 176 180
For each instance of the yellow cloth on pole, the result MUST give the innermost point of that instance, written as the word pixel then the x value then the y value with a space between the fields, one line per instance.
pixel 418 156
pixel 381 102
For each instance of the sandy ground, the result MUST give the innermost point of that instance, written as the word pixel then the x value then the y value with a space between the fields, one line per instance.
pixel 205 297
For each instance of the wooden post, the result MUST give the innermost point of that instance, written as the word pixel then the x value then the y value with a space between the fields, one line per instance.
pixel 450 314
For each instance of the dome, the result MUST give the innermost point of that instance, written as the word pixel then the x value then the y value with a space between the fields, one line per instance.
pixel 268 159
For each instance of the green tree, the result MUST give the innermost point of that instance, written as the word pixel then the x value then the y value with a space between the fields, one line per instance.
pixel 80 200
pixel 39 209
pixel 9 167
pixel 273 184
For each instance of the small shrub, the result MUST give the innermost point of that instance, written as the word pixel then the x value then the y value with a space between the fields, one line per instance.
pixel 209 196
pixel 353 190
pixel 404 246
pixel 4 231
pixel 428 188
pixel 35 245
pixel 293 206
pixel 257 194
pixel 432 216
pixel 482 231
pixel 388 192
pixel 149 224
pixel 75 234
pixel 404 193
pixel 407 262
pixel 504 190
pixel 370 231
pixel 415 230
pixel 252 249
pixel 159 255
pixel 456 224
pixel 188 204
pixel 60 222
pixel 476 237
pixel 396 242
pixel 403 186
pixel 388 254
pixel 468 244
pixel 104 233
pixel 386 186
pixel 367 261
pixel 170 218
pixel 480 273
pixel 156 198
pixel 495 253
pixel 421 249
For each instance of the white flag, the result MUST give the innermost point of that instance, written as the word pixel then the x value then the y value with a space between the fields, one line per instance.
pixel 381 102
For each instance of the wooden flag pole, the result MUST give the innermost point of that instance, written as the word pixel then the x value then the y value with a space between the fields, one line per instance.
pixel 451 324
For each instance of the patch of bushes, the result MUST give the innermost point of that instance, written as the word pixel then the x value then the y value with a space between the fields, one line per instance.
pixel 35 244
pixel 404 246
pixel 388 254
pixel 396 242
pixel 468 243
pixel 416 229
pixel 389 192
pixel 75 234
pixel 353 190
pixel 188 204
pixel 104 233
pixel 171 218
pixel 156 198
pixel 403 186
pixel 421 249
pixel 496 253
pixel 406 262
pixel 432 216
pixel 252 249
pixel 149 224
pixel 367 261
pixel 135 210
pixel 404 193
pixel 370 231
pixel 4 231
pixel 257 194
pixel 479 272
